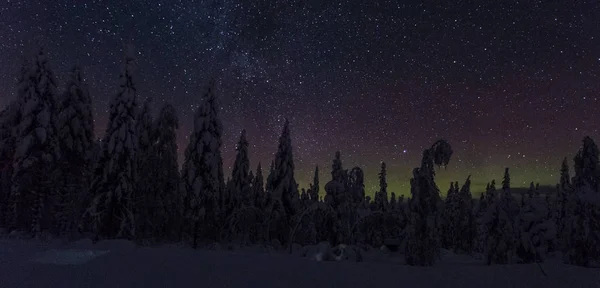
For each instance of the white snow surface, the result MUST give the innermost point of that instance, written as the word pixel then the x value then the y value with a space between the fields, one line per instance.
pixel 122 264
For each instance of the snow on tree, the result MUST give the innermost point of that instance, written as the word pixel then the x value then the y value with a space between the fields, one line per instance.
pixel 111 212
pixel 423 246
pixel 459 224
pixel 76 139
pixel 37 150
pixel 582 231
pixel 466 222
pixel 9 118
pixel 338 198
pixel 202 174
pixel 537 231
pixel 284 190
pixel 244 219
pixel 502 232
pixel 479 211
pixel 75 120
pixel 450 215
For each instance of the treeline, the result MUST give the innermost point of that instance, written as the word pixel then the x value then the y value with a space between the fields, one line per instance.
pixel 57 179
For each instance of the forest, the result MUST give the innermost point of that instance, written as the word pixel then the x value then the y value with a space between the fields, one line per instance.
pixel 57 180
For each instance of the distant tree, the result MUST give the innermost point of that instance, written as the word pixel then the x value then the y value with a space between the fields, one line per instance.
pixel 531 190
pixel 37 151
pixel 337 172
pixel 111 213
pixel 314 187
pixel 506 181
pixel 393 202
pixel 381 197
pixel 76 139
pixel 202 174
pixel 423 244
pixel 565 179
pixel 356 182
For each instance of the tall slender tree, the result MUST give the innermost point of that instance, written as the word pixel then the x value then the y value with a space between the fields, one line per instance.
pixel 76 138
pixel 202 173
pixel 145 196
pixel 284 193
pixel 37 150
pixel 111 213
pixel 423 244
pixel 166 179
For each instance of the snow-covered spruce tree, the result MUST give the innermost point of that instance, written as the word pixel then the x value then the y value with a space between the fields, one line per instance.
pixel 145 196
pixel 166 179
pixel 423 245
pixel 111 212
pixel 466 221
pixel 258 188
pixel 76 139
pixel 479 212
pixel 583 223
pixel 243 218
pixel 284 190
pixel 458 219
pixel 502 231
pixel 37 150
pixel 450 215
pixel 537 231
pixel 338 198
pixel 202 173
pixel 563 205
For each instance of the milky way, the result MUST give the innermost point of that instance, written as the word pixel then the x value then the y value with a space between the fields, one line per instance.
pixel 508 85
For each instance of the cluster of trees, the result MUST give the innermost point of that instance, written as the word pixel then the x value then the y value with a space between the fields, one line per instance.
pixel 57 178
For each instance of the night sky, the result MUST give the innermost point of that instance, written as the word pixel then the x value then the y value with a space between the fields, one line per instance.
pixel 507 84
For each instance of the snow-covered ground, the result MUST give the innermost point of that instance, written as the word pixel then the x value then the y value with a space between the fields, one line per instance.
pixel 34 263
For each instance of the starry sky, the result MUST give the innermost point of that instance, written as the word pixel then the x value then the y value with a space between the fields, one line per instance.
pixel 507 83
